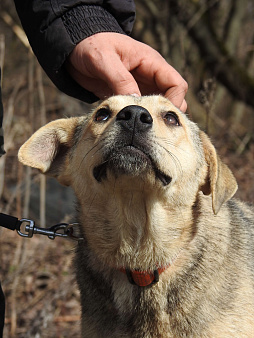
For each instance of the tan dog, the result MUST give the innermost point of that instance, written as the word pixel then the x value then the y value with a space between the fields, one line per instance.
pixel 166 253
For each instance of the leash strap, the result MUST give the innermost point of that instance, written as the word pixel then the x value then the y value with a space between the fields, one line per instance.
pixel 9 222
pixel 29 229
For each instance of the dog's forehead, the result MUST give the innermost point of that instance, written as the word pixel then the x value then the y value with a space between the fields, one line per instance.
pixel 153 104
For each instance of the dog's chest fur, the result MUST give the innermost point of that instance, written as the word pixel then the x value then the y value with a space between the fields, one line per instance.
pixel 201 295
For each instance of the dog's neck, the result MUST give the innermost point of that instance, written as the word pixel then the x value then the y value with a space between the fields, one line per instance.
pixel 144 278
pixel 148 277
pixel 129 228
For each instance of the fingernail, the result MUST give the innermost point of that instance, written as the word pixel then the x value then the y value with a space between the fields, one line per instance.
pixel 135 94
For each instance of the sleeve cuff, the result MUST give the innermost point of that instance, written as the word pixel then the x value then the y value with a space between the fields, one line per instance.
pixel 83 21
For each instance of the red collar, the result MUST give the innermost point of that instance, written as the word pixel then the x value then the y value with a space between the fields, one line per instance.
pixel 143 278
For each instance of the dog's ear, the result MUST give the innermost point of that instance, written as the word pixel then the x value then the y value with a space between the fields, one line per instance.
pixel 220 181
pixel 47 148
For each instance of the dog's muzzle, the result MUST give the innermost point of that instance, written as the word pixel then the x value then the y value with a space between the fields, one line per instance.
pixel 131 152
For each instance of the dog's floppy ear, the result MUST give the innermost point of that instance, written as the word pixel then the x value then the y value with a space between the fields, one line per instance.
pixel 220 181
pixel 47 148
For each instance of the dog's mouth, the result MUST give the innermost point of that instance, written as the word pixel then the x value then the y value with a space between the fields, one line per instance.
pixel 131 161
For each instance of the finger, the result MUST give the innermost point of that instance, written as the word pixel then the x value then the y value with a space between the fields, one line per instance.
pixel 176 94
pixel 96 86
pixel 163 79
pixel 103 74
pixel 119 79
pixel 184 106
pixel 170 82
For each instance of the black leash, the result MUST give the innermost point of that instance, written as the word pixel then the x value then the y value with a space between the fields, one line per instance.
pixel 26 228
pixel 9 222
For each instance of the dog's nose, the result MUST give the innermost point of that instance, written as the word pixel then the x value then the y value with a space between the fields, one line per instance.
pixel 133 116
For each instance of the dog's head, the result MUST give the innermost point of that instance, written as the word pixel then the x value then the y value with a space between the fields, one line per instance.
pixel 131 161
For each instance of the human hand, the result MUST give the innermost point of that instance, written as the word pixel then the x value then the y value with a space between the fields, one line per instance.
pixel 114 64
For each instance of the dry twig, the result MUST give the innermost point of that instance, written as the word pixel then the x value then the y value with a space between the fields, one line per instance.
pixel 16 29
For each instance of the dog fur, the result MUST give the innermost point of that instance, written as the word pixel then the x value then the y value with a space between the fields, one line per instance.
pixel 152 192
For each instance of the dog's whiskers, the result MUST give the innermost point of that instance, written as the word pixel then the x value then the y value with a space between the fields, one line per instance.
pixel 170 143
pixel 173 156
pixel 94 147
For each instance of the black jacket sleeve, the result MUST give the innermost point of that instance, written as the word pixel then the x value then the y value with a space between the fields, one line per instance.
pixel 2 152
pixel 54 27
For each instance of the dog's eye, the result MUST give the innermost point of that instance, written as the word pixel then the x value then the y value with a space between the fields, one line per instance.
pixel 171 119
pixel 102 115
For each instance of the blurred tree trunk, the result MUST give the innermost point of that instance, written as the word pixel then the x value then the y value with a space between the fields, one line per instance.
pixel 231 35
pixel 213 51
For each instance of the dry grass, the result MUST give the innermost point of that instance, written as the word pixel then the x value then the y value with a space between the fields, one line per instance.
pixel 39 285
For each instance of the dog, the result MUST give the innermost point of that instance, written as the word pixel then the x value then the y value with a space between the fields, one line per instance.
pixel 166 251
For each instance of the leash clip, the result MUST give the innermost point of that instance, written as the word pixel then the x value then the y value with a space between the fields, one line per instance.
pixel 29 228
pixel 59 230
